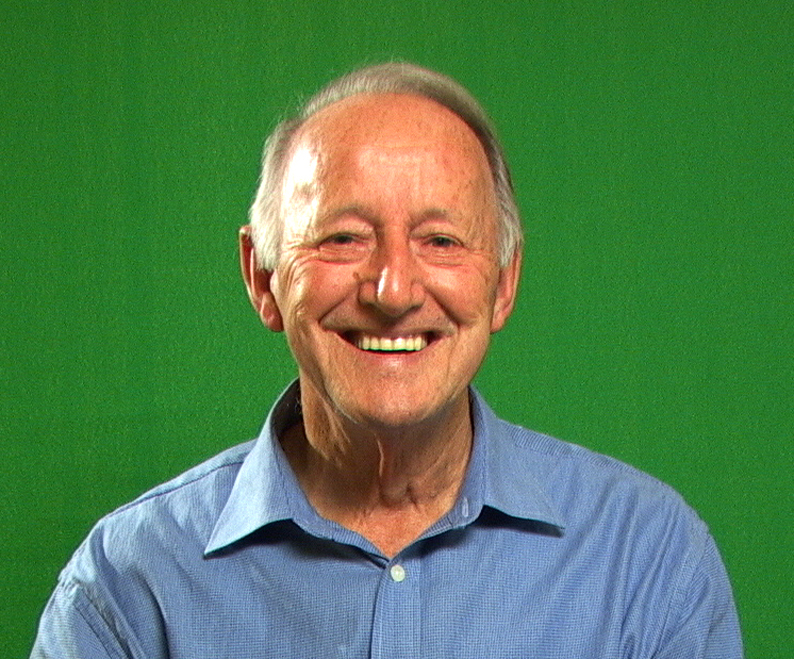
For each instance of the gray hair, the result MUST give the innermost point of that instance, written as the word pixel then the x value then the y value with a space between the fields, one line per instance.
pixel 391 77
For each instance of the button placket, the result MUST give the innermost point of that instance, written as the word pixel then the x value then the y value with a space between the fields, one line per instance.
pixel 397 611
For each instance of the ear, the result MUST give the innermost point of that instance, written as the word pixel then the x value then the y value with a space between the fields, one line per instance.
pixel 257 282
pixel 506 290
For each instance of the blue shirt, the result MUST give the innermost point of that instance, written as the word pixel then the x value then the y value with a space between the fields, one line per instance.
pixel 551 551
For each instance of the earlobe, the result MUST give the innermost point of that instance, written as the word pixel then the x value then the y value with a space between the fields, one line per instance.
pixel 506 291
pixel 257 283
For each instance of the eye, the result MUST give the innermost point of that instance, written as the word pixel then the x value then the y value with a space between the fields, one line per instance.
pixel 340 239
pixel 343 247
pixel 442 242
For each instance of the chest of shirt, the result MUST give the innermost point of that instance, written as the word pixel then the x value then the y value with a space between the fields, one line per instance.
pixel 481 591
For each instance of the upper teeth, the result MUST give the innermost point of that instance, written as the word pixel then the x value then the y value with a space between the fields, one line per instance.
pixel 411 343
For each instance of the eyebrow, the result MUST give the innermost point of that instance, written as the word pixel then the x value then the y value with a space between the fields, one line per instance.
pixel 368 215
pixel 351 209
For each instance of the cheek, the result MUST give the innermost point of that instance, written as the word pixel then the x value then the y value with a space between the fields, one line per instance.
pixel 466 295
pixel 327 283
pixel 314 288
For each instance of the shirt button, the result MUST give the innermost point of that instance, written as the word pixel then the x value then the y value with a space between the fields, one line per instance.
pixel 464 508
pixel 397 573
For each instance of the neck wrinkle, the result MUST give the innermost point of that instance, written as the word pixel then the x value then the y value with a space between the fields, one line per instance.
pixel 356 476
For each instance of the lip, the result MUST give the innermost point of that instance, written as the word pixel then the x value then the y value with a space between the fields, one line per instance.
pixel 410 343
pixel 391 342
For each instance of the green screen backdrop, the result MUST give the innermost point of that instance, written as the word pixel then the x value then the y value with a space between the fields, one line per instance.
pixel 651 145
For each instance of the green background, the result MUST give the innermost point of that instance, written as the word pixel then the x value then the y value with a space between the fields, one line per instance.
pixel 651 144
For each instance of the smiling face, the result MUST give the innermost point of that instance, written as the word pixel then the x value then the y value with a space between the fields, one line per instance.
pixel 388 285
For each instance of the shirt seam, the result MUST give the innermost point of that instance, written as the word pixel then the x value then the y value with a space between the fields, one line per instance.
pixel 89 611
pixel 166 489
pixel 692 560
pixel 577 453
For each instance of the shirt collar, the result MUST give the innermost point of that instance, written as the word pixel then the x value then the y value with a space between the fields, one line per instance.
pixel 505 470
pixel 266 489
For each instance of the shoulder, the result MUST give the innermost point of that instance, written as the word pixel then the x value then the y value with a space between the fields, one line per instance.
pixel 624 526
pixel 559 462
pixel 603 498
pixel 212 476
pixel 175 516
pixel 576 480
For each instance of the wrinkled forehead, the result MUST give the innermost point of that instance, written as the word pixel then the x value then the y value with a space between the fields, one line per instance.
pixel 400 129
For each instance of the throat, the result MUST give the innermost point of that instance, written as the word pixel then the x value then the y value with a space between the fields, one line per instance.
pixel 390 492
pixel 391 531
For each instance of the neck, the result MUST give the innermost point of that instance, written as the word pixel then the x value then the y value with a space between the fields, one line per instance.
pixel 388 484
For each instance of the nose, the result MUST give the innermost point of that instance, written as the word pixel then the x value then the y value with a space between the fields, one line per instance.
pixel 391 282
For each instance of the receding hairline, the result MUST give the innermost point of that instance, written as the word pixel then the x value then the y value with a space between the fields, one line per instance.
pixel 402 78
pixel 313 126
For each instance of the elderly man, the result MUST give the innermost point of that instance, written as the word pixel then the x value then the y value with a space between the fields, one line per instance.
pixel 385 511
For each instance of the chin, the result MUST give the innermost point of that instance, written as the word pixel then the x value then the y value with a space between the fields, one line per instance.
pixel 392 410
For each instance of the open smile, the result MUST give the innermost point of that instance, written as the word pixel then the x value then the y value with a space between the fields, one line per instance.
pixel 373 343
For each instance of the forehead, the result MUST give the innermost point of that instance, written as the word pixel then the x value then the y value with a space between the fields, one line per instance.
pixel 392 126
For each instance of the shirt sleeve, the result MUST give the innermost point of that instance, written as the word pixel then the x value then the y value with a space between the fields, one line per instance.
pixel 704 624
pixel 71 627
